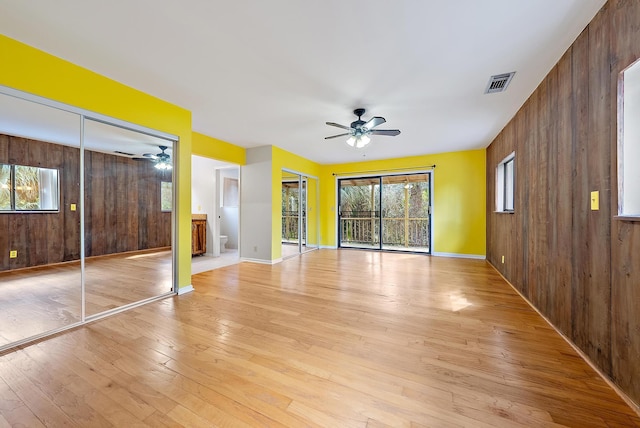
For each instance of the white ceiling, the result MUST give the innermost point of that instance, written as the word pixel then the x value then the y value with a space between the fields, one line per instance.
pixel 257 72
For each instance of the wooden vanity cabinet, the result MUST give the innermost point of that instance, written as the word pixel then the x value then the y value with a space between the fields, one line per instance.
pixel 198 234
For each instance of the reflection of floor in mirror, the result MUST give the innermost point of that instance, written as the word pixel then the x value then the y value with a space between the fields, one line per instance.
pixel 40 299
pixel 291 249
pixel 205 262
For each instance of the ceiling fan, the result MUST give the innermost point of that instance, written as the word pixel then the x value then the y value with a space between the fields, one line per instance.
pixel 162 160
pixel 359 131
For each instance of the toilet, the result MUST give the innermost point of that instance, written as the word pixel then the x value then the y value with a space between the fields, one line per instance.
pixel 223 242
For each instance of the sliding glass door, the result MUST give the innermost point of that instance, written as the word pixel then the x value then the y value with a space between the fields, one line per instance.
pixel 291 216
pixel 391 212
pixel 359 213
pixel 300 231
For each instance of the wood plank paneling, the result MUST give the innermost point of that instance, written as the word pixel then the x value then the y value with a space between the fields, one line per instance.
pixel 112 207
pixel 70 188
pixel 123 184
pixel 563 212
pixel 55 222
pixel 96 199
pixel 625 249
pixel 111 211
pixel 579 267
pixel 580 200
pixel 598 282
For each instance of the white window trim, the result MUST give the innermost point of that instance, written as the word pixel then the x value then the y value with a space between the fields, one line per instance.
pixel 500 184
pixel 628 106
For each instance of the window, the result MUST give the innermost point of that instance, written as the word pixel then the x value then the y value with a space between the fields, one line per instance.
pixel 28 188
pixel 166 197
pixel 505 184
pixel 629 143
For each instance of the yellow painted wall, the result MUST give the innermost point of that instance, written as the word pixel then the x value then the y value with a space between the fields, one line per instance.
pixel 31 70
pixel 203 145
pixel 459 198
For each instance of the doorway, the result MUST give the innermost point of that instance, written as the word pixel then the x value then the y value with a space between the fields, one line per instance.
pixel 385 212
pixel 215 208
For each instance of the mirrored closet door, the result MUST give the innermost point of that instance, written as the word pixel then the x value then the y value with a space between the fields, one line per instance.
pixel 127 216
pixel 40 272
pixel 86 216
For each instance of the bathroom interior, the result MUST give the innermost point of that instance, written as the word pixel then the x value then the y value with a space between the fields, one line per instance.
pixel 215 213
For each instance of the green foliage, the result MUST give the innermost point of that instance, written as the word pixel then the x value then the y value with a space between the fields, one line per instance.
pixel 27 188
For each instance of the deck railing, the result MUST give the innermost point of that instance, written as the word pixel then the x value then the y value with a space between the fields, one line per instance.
pixel 290 220
pixel 404 232
pixel 363 228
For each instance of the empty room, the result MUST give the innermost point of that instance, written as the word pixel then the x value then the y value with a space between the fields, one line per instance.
pixel 297 214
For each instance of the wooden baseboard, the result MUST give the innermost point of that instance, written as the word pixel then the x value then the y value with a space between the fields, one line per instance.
pixel 77 261
pixel 579 351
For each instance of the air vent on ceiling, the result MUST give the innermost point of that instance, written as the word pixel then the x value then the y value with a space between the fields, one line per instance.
pixel 123 153
pixel 499 82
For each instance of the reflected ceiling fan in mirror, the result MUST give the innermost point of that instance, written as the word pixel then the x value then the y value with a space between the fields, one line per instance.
pixel 162 160
pixel 360 130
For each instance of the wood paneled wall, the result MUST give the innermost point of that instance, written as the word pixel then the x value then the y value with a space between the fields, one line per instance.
pixel 122 207
pixel 580 268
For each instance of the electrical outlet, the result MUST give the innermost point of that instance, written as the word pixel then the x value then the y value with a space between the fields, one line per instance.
pixel 73 207
pixel 502 259
pixel 255 248
pixel 13 254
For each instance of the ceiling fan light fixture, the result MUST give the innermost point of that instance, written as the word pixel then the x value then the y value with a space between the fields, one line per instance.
pixel 362 141
pixel 360 130
pixel 163 165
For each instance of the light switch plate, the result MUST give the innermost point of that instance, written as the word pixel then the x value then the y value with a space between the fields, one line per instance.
pixel 595 200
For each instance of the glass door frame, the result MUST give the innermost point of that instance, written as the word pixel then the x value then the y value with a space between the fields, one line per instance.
pixel 303 209
pixel 378 179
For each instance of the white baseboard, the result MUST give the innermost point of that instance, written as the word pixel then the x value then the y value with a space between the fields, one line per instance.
pixel 184 290
pixel 329 247
pixel 460 256
pixel 261 261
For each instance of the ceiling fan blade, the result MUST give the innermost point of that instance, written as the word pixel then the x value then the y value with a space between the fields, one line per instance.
pixel 337 125
pixel 373 122
pixel 150 156
pixel 389 132
pixel 339 135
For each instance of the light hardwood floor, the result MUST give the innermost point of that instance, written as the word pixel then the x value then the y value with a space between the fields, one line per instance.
pixel 37 300
pixel 331 338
